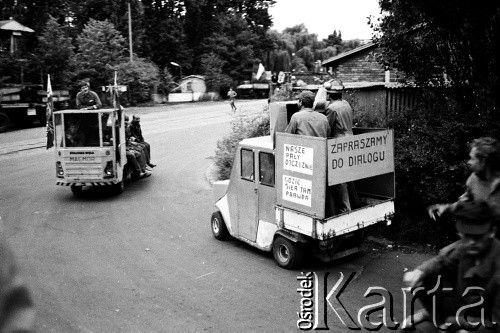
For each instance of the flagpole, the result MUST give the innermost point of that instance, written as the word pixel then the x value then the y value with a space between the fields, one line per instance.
pixel 130 32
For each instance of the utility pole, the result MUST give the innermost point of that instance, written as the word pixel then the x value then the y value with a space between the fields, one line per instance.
pixel 130 32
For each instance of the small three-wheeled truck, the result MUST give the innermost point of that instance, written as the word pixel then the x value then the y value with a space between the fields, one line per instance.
pixel 98 158
pixel 276 197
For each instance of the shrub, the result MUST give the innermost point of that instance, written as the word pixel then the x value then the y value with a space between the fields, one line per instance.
pixel 431 149
pixel 242 127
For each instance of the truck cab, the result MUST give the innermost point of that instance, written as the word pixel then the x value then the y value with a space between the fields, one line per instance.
pixel 97 157
pixel 277 198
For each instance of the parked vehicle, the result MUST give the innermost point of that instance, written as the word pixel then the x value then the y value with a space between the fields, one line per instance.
pixel 23 104
pixel 98 156
pixel 253 90
pixel 275 199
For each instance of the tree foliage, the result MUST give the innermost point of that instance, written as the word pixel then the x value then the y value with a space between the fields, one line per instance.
pixel 100 48
pixel 55 53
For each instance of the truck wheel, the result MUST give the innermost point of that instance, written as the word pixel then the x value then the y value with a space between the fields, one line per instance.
pixel 287 254
pixel 118 188
pixel 4 122
pixel 219 228
pixel 77 190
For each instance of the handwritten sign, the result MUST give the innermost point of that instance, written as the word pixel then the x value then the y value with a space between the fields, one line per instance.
pixel 360 156
pixel 298 159
pixel 297 190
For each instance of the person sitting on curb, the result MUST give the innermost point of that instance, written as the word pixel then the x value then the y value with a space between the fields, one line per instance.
pixel 468 264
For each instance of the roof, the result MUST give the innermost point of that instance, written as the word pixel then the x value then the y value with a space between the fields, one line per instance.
pixel 193 77
pixel 363 47
pixel 260 142
pixel 13 25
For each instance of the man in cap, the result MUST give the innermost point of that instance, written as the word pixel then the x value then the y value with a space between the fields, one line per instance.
pixel 484 181
pixel 470 266
pixel 87 99
pixel 306 121
pixel 338 111
pixel 339 114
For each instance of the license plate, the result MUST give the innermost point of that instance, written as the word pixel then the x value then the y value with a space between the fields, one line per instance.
pixel 31 112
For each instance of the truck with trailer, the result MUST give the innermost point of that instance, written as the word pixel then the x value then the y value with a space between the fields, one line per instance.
pixel 24 104
pixel 276 197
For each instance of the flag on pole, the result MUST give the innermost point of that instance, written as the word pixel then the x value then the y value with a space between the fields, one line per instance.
pixel 116 97
pixel 49 114
pixel 260 71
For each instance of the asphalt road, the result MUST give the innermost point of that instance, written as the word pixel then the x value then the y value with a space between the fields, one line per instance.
pixel 146 261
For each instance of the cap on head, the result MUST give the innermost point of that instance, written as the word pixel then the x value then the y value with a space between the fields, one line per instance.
pixel 473 217
pixel 307 98
pixel 334 86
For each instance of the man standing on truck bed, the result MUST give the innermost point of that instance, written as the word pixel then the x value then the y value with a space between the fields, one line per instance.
pixel 86 98
pixel 307 121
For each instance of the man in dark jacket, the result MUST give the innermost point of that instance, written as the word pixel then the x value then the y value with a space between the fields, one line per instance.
pixel 467 276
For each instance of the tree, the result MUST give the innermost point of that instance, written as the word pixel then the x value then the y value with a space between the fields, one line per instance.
pixel 140 76
pixel 55 53
pixel 334 39
pixel 459 38
pixel 215 79
pixel 100 48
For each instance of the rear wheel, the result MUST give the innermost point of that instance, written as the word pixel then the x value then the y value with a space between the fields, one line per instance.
pixel 118 187
pixel 4 122
pixel 287 254
pixel 77 190
pixel 219 228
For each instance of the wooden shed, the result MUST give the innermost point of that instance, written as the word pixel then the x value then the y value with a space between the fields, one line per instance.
pixel 10 33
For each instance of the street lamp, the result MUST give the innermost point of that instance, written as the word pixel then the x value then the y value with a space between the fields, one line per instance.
pixel 180 69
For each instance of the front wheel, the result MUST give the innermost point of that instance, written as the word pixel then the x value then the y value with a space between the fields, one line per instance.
pixel 219 228
pixel 287 254
pixel 77 190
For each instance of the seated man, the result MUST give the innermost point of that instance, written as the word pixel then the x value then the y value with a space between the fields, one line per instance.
pixel 136 136
pixel 470 267
pixel 137 171
pixel 74 136
pixel 135 155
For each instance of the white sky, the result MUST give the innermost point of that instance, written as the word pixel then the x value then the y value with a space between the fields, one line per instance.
pixel 323 16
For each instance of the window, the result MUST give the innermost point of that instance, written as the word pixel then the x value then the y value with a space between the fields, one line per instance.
pixel 266 168
pixel 247 171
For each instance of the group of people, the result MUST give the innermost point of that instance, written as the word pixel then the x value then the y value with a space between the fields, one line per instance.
pixel 138 151
pixel 326 115
pixel 471 265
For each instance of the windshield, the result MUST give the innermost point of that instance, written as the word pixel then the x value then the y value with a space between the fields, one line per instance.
pixel 89 129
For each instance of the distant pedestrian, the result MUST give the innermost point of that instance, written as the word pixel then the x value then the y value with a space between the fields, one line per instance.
pixel 232 96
